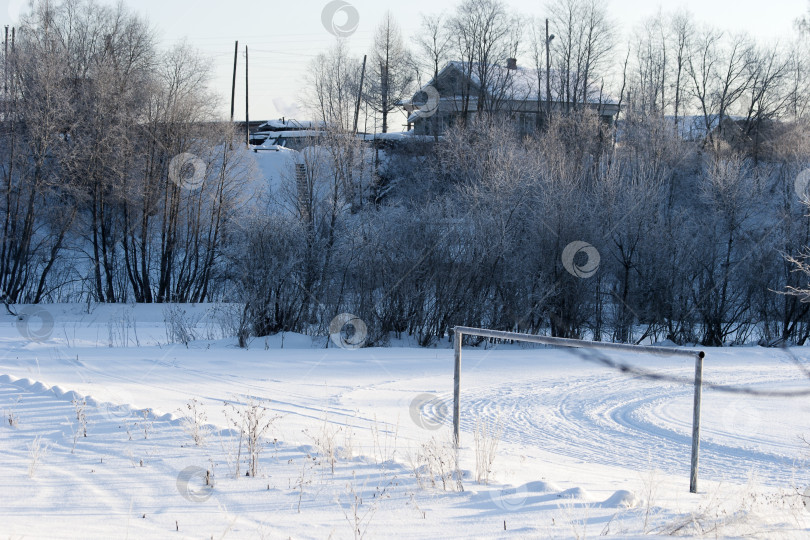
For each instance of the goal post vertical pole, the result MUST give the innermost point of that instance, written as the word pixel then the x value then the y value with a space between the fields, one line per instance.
pixel 457 337
pixel 693 479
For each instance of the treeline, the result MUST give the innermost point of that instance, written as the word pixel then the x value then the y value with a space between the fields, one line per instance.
pixel 689 244
pixel 688 209
pixel 687 238
pixel 92 116
pixel 700 76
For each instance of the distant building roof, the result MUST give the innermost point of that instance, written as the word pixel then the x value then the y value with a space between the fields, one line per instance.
pixel 522 83
pixel 283 124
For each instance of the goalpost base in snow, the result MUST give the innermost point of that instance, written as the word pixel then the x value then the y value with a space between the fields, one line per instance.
pixel 460 331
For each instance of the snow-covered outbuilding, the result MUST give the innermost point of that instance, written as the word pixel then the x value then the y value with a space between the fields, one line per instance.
pixel 288 133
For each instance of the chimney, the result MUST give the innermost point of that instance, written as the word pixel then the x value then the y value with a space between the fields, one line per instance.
pixel 511 63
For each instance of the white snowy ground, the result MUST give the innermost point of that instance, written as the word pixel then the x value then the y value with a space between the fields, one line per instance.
pixel 584 450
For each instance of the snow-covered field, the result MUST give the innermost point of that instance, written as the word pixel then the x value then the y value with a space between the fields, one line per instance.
pixel 359 443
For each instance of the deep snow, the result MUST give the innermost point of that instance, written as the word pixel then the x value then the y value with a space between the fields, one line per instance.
pixel 584 450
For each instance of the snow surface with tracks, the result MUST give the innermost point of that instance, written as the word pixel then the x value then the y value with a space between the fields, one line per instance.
pixel 585 450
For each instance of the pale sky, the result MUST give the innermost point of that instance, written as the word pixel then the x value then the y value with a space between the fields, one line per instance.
pixel 284 35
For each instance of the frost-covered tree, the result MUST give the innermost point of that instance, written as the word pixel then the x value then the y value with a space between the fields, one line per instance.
pixel 585 37
pixel 332 87
pixel 390 71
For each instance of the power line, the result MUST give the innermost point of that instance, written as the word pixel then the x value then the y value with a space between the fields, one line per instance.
pixel 590 355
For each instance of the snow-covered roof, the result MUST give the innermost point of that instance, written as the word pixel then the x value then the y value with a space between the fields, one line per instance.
pixel 395 136
pixel 522 83
pixel 283 124
pixel 301 133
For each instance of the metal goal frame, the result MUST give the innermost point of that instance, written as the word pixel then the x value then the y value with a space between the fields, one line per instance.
pixel 460 331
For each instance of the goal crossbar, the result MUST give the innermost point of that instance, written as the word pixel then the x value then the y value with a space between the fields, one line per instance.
pixel 460 331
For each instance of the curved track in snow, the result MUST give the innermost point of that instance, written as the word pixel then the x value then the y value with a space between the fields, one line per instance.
pixel 640 425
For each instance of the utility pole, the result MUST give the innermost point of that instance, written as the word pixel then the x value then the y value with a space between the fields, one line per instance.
pixel 548 77
pixel 5 65
pixel 247 95
pixel 359 94
pixel 233 86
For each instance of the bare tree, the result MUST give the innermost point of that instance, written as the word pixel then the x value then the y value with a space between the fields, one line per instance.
pixel 170 241
pixel 333 82
pixel 680 36
pixel 485 36
pixel 585 41
pixel 730 191
pixel 391 76
pixel 433 44
pixel 803 23
pixel 721 73
pixel 39 208
pixel 598 42
pixel 651 65
pixel 112 56
pixel 538 52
